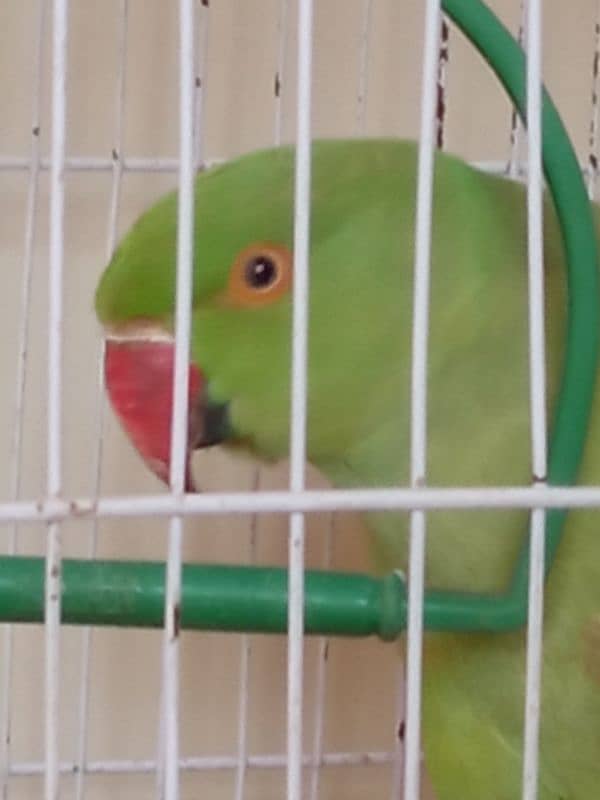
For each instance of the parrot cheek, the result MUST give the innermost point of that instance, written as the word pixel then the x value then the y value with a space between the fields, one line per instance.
pixel 139 381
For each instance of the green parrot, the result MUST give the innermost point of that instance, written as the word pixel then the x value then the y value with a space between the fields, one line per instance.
pixel 360 317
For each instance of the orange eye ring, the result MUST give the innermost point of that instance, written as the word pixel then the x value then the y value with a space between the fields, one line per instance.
pixel 260 275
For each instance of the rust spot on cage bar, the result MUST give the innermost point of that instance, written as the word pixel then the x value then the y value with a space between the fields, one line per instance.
pixel 444 55
pixel 593 129
pixel 79 508
pixel 176 620
pixel 512 167
pixel 401 730
pixel 277 85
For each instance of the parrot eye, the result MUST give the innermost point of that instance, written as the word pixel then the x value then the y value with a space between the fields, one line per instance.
pixel 261 271
pixel 261 274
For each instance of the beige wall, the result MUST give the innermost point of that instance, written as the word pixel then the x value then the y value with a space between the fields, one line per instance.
pixel 239 115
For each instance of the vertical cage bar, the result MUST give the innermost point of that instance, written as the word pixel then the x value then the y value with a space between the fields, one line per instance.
pixel 535 243
pixel 363 67
pixel 298 405
pixel 280 68
pixel 442 77
pixel 185 244
pixel 52 597
pixel 399 734
pixel 534 655
pixel 592 174
pixel 100 413
pixel 418 422
pixel 246 642
pixel 16 452
pixel 203 26
pixel 321 682
pixel 537 396
pixel 179 427
pixel 516 126
pixel 246 655
pixel 117 153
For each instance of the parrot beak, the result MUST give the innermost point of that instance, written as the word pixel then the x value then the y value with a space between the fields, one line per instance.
pixel 138 373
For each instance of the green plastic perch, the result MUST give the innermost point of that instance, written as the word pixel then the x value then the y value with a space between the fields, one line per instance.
pixel 230 598
pixel 215 597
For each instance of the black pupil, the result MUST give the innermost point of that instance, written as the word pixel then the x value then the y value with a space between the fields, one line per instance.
pixel 260 272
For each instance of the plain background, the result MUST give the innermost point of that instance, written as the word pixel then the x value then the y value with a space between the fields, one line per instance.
pixel 237 71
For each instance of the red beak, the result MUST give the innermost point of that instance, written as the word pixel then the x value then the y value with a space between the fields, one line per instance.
pixel 139 380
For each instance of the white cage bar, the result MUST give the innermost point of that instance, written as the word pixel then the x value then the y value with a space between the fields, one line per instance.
pixel 537 368
pixel 418 400
pixel 52 600
pixel 111 240
pixel 295 672
pixel 20 379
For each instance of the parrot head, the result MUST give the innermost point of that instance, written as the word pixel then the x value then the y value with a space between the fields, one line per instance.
pixel 240 351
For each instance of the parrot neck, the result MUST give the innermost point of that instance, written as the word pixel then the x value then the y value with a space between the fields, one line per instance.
pixel 371 462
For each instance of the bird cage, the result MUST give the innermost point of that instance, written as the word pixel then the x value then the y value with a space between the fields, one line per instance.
pixel 153 641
